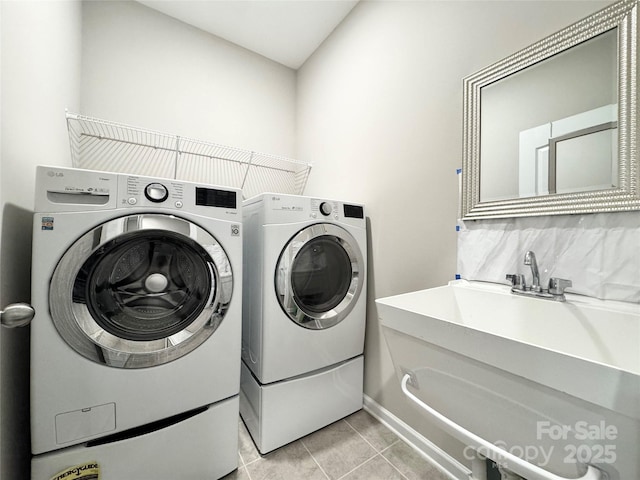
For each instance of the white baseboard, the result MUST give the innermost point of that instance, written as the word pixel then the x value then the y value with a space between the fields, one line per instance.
pixel 434 454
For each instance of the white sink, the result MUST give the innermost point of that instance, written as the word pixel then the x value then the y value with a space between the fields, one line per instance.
pixel 523 364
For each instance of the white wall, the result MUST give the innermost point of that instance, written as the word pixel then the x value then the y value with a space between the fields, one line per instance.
pixel 40 78
pixel 146 69
pixel 380 116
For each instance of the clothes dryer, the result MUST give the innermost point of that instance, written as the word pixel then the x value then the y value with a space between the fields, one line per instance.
pixel 304 311
pixel 135 344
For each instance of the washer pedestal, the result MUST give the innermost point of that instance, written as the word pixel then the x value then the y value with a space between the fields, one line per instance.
pixel 202 446
pixel 281 412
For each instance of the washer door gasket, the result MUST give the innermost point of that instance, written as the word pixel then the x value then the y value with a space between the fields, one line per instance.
pixel 319 276
pixel 140 290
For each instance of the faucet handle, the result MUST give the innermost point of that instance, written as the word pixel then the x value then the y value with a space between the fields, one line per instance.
pixel 517 280
pixel 557 285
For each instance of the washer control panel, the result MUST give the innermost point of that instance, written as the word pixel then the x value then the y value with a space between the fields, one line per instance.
pixel 325 209
pixel 60 189
pixel 164 192
pixel 145 191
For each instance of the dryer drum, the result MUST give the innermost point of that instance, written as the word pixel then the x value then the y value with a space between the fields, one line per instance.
pixel 140 290
pixel 319 276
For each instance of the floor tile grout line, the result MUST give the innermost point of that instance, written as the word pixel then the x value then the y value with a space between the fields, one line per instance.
pixel 394 467
pixel 361 436
pixel 246 470
pixel 255 449
pixel 389 446
pixel 252 461
pixel 356 468
pixel 244 465
pixel 379 452
pixel 314 459
pixel 245 434
pixel 364 438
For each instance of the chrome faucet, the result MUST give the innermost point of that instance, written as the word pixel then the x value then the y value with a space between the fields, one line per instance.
pixel 556 285
pixel 530 259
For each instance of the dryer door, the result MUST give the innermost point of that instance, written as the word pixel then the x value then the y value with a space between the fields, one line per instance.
pixel 319 276
pixel 140 290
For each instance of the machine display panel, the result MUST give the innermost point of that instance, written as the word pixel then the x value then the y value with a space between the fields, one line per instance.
pixel 212 197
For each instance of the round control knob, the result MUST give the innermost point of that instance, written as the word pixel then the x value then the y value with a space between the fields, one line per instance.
pixel 325 209
pixel 156 192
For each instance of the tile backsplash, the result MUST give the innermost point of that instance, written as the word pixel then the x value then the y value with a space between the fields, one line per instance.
pixel 599 253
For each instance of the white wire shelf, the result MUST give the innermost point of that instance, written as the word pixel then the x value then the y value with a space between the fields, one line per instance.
pixel 114 147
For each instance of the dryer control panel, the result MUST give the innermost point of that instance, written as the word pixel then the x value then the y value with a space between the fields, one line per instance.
pixel 335 210
pixel 284 208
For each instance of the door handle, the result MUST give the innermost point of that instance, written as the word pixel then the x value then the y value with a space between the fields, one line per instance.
pixel 17 315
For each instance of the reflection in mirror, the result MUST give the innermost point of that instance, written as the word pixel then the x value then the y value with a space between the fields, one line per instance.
pixel 579 79
pixel 552 128
pixel 585 158
pixel 574 154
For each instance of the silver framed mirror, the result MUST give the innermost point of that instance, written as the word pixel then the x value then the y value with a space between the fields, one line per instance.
pixel 552 129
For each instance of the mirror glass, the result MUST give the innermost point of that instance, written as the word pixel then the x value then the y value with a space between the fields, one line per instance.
pixel 552 128
pixel 521 113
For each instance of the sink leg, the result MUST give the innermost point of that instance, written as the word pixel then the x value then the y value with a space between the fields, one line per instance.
pixel 508 475
pixel 478 467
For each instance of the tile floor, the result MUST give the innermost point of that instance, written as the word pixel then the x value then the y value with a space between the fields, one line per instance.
pixel 358 447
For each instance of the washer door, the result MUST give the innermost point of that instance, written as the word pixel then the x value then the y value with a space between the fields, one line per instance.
pixel 140 290
pixel 319 276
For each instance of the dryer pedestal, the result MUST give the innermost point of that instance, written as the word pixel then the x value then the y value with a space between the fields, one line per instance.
pixel 281 412
pixel 202 446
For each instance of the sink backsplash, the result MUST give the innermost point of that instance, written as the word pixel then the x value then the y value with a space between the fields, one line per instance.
pixel 599 253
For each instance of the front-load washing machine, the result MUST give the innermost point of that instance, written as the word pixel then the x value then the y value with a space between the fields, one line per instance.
pixel 304 311
pixel 135 344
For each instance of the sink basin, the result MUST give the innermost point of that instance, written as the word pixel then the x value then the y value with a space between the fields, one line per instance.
pixel 528 368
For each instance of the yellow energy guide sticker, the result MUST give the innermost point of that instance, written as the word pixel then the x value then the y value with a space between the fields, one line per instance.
pixel 86 471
